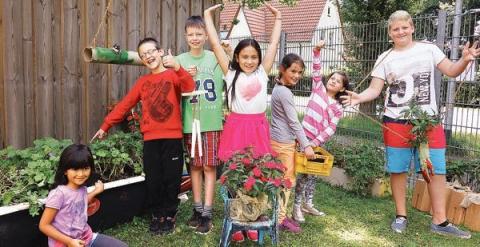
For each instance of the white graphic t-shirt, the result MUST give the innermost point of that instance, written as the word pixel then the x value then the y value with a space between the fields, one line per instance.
pixel 250 91
pixel 409 75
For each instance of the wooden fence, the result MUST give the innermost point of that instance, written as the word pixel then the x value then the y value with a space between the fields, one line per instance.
pixel 46 89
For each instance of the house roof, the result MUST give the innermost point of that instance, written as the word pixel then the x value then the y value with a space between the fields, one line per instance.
pixel 298 21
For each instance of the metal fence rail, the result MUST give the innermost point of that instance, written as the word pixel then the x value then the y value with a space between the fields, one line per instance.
pixel 355 48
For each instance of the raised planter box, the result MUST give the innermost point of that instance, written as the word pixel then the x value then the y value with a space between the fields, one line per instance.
pixel 120 202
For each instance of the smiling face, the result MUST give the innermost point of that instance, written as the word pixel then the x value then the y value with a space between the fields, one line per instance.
pixel 77 177
pixel 196 37
pixel 335 84
pixel 150 55
pixel 248 59
pixel 401 32
pixel 292 74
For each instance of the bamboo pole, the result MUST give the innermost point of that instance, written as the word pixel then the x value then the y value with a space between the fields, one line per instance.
pixel 111 56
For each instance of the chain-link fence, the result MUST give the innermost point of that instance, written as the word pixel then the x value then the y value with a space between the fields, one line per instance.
pixel 355 48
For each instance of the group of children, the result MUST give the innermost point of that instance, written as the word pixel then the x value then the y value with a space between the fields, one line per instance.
pixel 245 74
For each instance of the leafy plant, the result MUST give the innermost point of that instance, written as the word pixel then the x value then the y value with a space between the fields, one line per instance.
pixel 27 175
pixel 30 172
pixel 254 175
pixel 466 172
pixel 363 162
pixel 422 123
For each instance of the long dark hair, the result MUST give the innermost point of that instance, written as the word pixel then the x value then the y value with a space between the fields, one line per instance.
pixel 75 156
pixel 234 65
pixel 345 82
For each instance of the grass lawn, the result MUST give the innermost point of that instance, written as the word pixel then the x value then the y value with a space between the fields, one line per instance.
pixel 351 221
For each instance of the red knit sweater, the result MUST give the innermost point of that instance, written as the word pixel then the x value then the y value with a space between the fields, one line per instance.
pixel 161 96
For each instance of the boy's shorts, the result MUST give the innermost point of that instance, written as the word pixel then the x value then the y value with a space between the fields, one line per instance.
pixel 210 141
pixel 399 152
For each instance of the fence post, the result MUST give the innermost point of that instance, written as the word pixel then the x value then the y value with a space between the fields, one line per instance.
pixel 440 41
pixel 450 101
pixel 283 46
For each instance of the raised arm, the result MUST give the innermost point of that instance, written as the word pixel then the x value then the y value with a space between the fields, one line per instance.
pixel 317 65
pixel 274 39
pixel 222 57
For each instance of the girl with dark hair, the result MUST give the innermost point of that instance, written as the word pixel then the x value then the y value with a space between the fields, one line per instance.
pixel 246 79
pixel 286 128
pixel 64 219
pixel 321 118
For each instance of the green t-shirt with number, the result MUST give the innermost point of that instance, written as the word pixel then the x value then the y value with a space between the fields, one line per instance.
pixel 208 105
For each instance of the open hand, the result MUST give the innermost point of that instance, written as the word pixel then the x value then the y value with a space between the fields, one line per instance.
pixel 470 53
pixel 351 99
pixel 99 187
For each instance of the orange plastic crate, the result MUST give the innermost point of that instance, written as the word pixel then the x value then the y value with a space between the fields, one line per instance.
pixel 321 165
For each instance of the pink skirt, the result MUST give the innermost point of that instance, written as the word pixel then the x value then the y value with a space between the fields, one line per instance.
pixel 243 130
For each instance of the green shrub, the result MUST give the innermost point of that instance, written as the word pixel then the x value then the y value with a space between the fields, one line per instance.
pixel 363 161
pixel 466 172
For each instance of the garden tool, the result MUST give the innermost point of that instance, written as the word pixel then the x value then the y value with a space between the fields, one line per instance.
pixel 196 130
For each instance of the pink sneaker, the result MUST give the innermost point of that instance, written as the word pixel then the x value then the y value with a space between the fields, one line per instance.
pixel 288 225
pixel 238 237
pixel 252 235
pixel 294 222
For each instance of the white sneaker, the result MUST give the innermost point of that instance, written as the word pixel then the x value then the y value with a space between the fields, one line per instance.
pixel 297 214
pixel 309 209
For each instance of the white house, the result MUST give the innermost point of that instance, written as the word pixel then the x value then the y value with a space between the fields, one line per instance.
pixel 304 24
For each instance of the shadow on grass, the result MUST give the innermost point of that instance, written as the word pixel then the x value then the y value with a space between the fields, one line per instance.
pixel 351 221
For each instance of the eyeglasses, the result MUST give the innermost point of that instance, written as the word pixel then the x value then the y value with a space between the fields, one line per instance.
pixel 147 53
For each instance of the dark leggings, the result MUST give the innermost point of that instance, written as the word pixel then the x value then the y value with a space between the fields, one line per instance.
pixel 107 241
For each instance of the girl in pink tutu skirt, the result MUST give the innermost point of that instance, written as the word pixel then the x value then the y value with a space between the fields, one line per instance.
pixel 246 77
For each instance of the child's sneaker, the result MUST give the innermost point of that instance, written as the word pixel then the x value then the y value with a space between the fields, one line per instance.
pixel 399 224
pixel 309 209
pixel 450 230
pixel 297 214
pixel 168 226
pixel 238 237
pixel 287 225
pixel 252 235
pixel 194 221
pixel 204 226
pixel 155 224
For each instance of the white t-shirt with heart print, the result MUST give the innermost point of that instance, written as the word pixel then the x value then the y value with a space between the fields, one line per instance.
pixel 250 91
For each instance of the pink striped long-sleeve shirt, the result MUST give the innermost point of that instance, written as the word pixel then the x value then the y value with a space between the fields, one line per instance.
pixel 322 113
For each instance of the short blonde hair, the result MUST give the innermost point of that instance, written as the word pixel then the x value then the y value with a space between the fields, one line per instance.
pixel 399 15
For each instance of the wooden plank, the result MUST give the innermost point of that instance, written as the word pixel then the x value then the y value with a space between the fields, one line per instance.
pixel 196 7
pixel 14 82
pixel 43 50
pixel 153 18
pixel 72 81
pixel 117 28
pixel 182 14
pixel 3 139
pixel 58 50
pixel 96 84
pixel 135 34
pixel 28 72
pixel 168 28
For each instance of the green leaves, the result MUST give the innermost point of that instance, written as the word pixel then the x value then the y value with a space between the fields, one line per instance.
pixel 27 175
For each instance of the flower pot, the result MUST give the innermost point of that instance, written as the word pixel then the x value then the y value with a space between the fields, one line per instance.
pixel 121 200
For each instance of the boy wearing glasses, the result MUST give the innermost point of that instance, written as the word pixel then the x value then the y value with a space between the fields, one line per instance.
pixel 160 92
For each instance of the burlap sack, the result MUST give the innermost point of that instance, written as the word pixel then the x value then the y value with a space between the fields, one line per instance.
pixel 247 208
